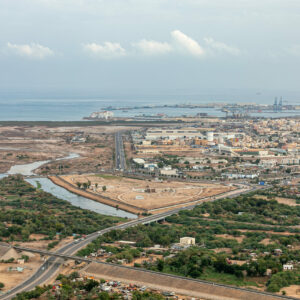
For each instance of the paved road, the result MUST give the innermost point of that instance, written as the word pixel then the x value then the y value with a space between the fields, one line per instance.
pixel 120 160
pixel 52 264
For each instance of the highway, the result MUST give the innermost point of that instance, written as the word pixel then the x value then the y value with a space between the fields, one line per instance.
pixel 120 161
pixel 52 264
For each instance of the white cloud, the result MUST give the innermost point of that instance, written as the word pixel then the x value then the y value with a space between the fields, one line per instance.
pixel 33 50
pixel 150 47
pixel 107 50
pixel 221 47
pixel 187 43
pixel 180 44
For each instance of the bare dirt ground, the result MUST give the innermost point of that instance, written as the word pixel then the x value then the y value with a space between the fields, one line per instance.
pixel 141 260
pixel 287 201
pixel 26 144
pixel 163 282
pixel 198 174
pixel 146 194
pixel 266 241
pixel 239 239
pixel 269 231
pixel 13 278
pixel 41 244
pixel 226 250
pixel 291 291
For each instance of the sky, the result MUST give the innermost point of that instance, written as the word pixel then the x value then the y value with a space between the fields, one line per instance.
pixel 143 46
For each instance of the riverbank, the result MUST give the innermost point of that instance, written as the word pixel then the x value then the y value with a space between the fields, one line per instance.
pixel 85 203
pixel 28 169
pixel 105 200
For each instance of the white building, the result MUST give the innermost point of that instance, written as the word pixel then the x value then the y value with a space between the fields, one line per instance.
pixel 288 267
pixel 239 176
pixel 210 136
pixel 290 161
pixel 102 115
pixel 187 241
pixel 139 161
pixel 168 171
pixel 263 153
pixel 268 163
pixel 150 166
pixel 172 134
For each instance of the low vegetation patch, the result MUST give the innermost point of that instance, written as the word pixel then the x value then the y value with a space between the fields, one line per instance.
pixel 25 209
pixel 241 225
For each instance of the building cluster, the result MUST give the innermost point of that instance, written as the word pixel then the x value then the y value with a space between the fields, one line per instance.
pixel 104 115
pixel 237 148
pixel 113 289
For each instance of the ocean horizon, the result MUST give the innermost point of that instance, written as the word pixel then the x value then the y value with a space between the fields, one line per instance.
pixel 52 107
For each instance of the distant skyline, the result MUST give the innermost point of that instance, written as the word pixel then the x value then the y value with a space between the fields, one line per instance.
pixel 143 46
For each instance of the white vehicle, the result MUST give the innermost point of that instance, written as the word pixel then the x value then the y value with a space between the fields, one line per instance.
pixel 106 288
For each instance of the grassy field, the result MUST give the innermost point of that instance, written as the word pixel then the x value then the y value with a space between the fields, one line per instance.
pixel 107 176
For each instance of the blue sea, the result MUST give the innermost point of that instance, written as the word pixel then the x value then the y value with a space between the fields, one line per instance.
pixel 41 108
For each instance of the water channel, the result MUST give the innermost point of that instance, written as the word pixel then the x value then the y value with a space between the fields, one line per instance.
pixel 48 186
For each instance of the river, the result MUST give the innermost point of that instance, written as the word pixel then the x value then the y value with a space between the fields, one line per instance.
pixel 28 169
pixel 48 186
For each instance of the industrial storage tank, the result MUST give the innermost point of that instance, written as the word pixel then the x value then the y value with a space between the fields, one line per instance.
pixel 210 136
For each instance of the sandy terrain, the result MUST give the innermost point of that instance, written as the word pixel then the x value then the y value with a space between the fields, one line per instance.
pixel 26 144
pixel 266 242
pixel 198 174
pixel 239 239
pixel 43 244
pixel 13 278
pixel 269 231
pixel 226 250
pixel 162 282
pixel 287 201
pixel 141 260
pixel 146 194
pixel 291 291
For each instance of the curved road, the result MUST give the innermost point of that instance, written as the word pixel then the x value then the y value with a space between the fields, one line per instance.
pixel 52 264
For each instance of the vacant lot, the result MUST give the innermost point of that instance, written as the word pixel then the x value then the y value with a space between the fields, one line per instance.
pixel 26 144
pixel 146 194
pixel 177 285
pixel 287 201
pixel 11 277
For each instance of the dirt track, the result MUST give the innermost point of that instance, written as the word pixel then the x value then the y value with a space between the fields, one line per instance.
pixel 177 285
pixel 147 195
